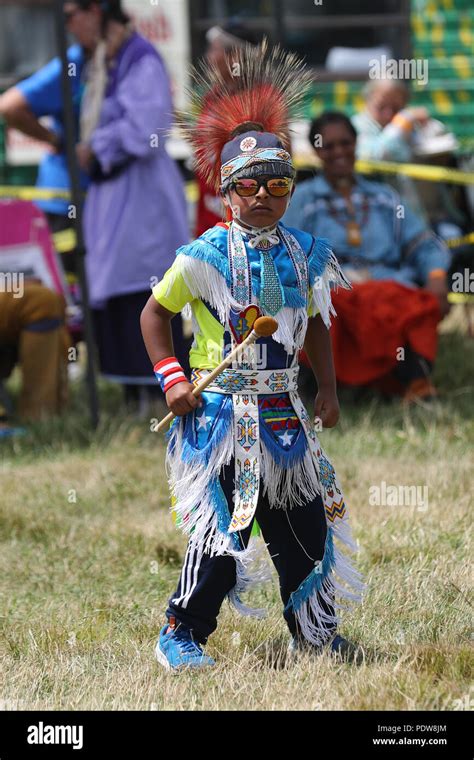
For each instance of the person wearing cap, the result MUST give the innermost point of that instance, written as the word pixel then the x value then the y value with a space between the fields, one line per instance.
pixel 245 451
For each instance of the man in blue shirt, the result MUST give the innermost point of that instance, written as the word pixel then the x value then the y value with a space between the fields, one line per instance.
pixel 41 95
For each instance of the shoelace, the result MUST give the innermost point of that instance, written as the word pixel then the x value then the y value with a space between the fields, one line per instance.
pixel 186 643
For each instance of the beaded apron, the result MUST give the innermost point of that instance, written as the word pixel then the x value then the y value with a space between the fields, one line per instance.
pixel 245 404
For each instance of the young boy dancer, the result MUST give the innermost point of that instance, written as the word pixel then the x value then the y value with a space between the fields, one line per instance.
pixel 246 449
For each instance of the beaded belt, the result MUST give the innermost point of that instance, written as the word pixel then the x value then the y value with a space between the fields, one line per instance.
pixel 264 381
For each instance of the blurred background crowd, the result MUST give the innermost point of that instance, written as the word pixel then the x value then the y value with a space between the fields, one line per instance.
pixel 384 151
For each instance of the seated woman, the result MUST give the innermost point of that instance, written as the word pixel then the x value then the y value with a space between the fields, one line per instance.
pixel 386 330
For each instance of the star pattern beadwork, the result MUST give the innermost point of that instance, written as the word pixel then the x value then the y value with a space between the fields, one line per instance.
pixel 286 438
pixel 279 417
pixel 247 481
pixel 326 472
pixel 231 381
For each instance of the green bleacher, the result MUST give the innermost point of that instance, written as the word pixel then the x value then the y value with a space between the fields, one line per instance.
pixel 442 32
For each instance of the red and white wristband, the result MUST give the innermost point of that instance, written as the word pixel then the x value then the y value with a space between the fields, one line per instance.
pixel 169 372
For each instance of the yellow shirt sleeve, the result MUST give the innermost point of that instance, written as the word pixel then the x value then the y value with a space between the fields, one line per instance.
pixel 310 305
pixel 172 291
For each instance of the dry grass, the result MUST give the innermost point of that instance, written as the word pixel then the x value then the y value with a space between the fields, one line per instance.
pixel 89 556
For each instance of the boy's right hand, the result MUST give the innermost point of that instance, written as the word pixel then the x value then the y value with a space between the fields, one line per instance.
pixel 180 399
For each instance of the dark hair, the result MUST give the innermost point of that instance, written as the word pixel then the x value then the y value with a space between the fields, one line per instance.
pixel 246 126
pixel 111 10
pixel 329 117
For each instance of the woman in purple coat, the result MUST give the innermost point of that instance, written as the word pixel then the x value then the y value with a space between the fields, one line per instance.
pixel 135 211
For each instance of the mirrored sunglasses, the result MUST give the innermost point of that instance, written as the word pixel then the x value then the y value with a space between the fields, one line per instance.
pixel 276 186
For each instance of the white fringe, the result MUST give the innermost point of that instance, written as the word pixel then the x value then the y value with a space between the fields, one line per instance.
pixel 255 572
pixel 290 487
pixel 344 581
pixel 292 326
pixel 189 487
pixel 312 619
pixel 206 283
pixel 187 314
pixel 321 293
pixel 343 533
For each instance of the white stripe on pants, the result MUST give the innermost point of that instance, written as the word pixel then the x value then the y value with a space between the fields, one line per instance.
pixel 189 575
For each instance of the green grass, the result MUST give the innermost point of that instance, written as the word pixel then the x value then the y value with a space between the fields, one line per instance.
pixel 89 556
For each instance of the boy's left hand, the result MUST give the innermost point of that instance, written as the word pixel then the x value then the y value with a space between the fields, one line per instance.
pixel 326 407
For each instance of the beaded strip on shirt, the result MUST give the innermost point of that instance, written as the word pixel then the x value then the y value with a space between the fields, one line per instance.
pixel 240 274
pixel 298 259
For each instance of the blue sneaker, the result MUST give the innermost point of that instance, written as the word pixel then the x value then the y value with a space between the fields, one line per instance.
pixel 176 649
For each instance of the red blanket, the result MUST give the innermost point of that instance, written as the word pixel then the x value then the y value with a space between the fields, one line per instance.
pixel 375 319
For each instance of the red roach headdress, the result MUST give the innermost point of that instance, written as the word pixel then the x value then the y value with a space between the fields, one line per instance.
pixel 264 89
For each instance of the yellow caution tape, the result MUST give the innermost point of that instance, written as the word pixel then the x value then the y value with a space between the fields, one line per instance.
pixel 460 298
pixel 192 191
pixel 416 171
pixel 27 193
pixel 65 240
pixel 455 242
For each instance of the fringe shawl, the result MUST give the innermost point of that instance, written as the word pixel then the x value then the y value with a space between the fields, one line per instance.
pixel 205 270
pixel 324 274
pixel 334 576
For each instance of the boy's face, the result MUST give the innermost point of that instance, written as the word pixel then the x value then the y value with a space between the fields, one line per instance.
pixel 260 210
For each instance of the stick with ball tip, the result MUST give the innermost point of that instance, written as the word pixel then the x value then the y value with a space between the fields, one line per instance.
pixel 263 327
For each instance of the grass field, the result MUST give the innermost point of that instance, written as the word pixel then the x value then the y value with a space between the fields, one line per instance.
pixel 89 556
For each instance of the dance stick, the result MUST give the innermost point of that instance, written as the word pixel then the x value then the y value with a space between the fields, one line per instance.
pixel 263 327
